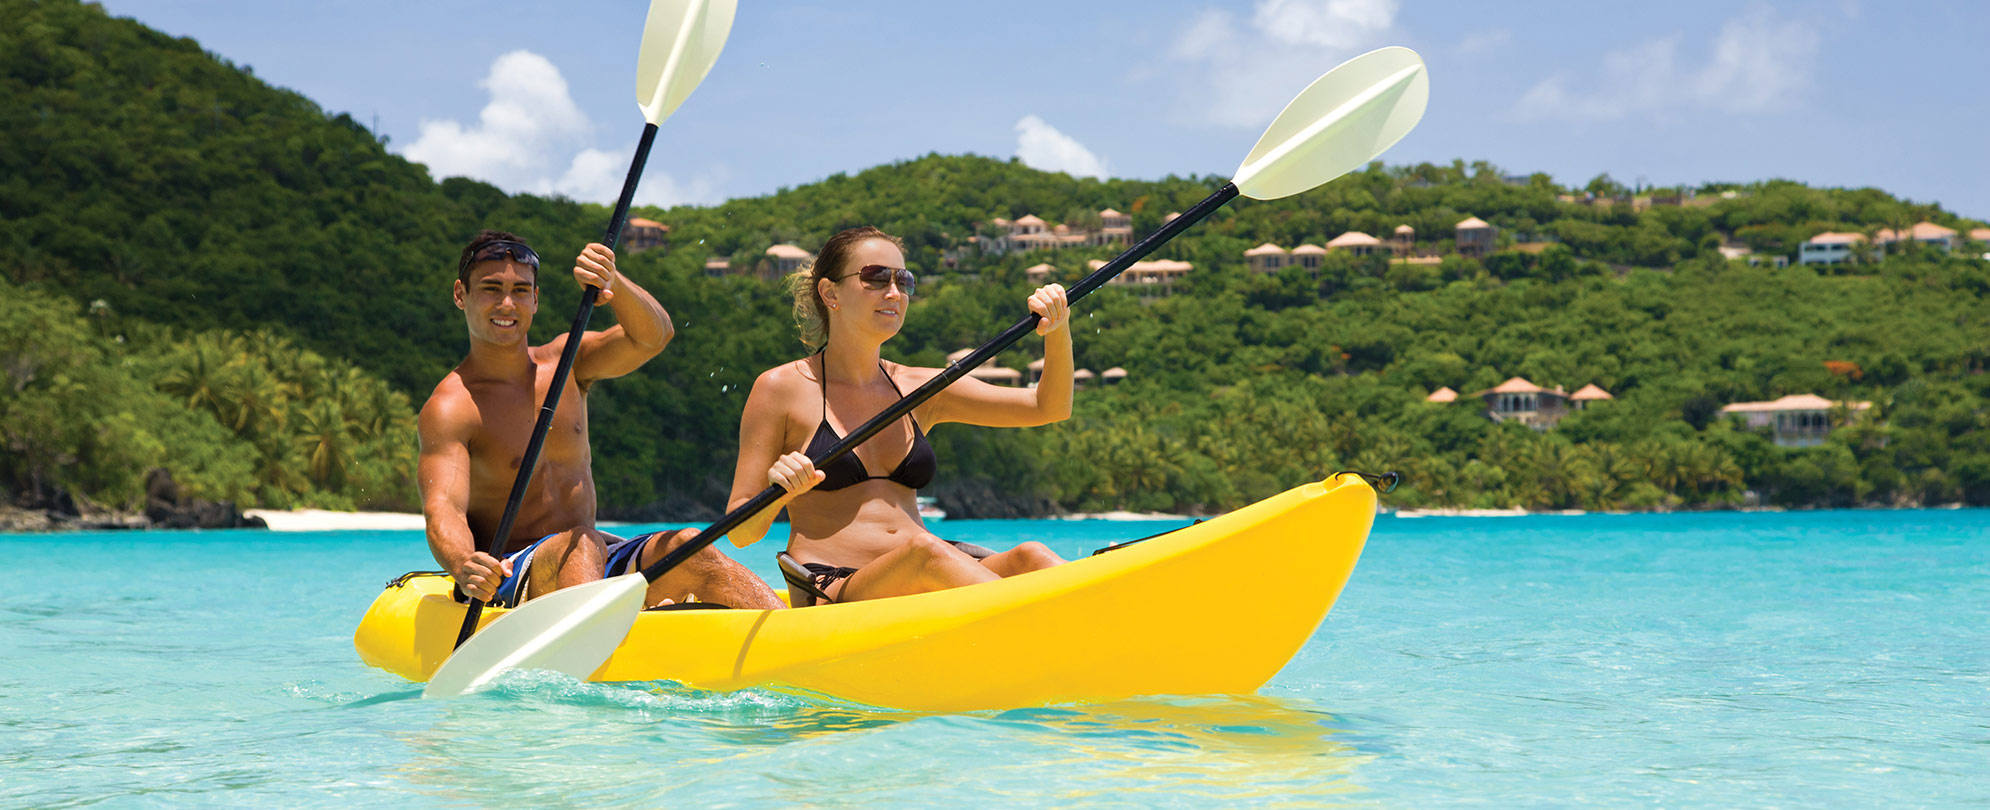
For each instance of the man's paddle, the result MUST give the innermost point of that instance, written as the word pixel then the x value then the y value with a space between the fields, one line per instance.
pixel 1343 120
pixel 681 40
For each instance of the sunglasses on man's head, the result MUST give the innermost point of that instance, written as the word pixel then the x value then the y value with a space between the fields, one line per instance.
pixel 494 251
pixel 876 276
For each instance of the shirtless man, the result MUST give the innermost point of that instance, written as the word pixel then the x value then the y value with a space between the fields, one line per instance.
pixel 477 423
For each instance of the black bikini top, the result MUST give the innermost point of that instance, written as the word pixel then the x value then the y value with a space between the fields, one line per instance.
pixel 915 472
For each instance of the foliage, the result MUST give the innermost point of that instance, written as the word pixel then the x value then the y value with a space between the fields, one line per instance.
pixel 267 301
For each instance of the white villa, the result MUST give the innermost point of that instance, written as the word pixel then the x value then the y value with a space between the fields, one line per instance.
pixel 1149 278
pixel 1828 248
pixel 1927 233
pixel 1799 420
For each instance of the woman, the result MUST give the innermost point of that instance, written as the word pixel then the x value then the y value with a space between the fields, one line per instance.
pixel 857 531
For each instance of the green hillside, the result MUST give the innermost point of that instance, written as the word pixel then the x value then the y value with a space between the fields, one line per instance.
pixel 216 276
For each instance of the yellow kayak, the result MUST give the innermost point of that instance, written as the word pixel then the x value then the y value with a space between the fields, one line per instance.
pixel 1214 608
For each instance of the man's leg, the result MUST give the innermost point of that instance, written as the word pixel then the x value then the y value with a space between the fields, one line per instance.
pixel 563 560
pixel 709 574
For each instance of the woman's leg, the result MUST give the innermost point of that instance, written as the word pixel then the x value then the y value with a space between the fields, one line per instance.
pixel 1030 556
pixel 925 563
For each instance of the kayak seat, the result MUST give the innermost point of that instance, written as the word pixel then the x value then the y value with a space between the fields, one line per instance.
pixel 803 592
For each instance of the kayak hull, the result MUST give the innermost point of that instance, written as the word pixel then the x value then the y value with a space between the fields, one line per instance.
pixel 1214 608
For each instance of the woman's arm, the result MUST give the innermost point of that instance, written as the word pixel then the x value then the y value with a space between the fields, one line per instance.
pixel 974 402
pixel 762 440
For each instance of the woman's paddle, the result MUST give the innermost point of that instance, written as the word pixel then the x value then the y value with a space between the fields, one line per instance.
pixel 1340 122
pixel 681 40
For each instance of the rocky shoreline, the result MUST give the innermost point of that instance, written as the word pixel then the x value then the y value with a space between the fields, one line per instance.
pixel 165 508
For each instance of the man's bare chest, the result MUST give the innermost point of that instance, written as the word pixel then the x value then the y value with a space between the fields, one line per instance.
pixel 507 415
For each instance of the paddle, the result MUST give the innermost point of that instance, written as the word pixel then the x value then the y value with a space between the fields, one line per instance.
pixel 1341 121
pixel 681 40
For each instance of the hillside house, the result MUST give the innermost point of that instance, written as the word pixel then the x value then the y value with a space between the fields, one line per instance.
pixel 1265 258
pixel 1927 233
pixel 1797 420
pixel 1355 243
pixel 1404 241
pixel 1149 279
pixel 1115 228
pixel 782 260
pixel 1476 238
pixel 1518 400
pixel 1588 394
pixel 643 234
pixel 1829 248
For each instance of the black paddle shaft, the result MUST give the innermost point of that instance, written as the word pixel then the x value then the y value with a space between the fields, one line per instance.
pixel 495 546
pixel 953 372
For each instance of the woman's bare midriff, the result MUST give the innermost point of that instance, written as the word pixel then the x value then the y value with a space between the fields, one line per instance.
pixel 852 526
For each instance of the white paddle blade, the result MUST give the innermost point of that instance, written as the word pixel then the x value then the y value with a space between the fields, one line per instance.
pixel 681 41
pixel 571 630
pixel 1343 120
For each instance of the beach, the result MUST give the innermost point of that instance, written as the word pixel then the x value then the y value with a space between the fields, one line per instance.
pixel 322 520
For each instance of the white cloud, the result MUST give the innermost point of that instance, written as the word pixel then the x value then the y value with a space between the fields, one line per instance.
pixel 1325 23
pixel 597 176
pixel 1483 41
pixel 1756 64
pixel 1245 72
pixel 1041 146
pixel 524 134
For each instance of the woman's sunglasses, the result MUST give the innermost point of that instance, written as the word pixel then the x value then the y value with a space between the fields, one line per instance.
pixel 876 276
pixel 501 249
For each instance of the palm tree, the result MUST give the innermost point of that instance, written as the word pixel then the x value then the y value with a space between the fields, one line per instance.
pixel 200 375
pixel 323 438
pixel 259 400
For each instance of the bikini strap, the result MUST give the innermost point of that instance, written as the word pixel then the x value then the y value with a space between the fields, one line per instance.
pixel 894 389
pixel 822 380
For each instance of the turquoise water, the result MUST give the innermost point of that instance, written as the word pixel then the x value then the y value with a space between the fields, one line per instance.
pixel 1722 660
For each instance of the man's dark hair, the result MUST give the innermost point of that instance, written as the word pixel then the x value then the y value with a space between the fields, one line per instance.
pixel 485 237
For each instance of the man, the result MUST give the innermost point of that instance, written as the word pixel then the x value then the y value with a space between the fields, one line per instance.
pixel 477 423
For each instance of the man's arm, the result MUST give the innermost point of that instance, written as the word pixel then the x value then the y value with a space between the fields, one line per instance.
pixel 641 327
pixel 443 472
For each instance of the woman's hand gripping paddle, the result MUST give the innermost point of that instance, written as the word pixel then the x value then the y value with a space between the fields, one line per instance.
pixel 1343 120
pixel 681 41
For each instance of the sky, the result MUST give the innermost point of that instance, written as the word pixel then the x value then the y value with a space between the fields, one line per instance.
pixel 540 97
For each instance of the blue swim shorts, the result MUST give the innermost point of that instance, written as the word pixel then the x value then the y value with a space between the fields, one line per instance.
pixel 622 556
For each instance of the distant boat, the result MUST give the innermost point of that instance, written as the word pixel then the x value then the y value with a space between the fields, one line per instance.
pixel 930 510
